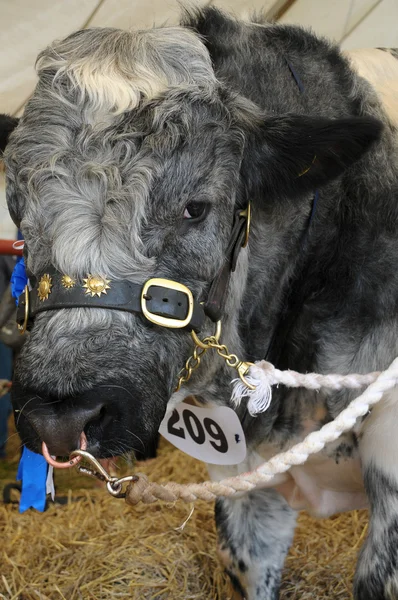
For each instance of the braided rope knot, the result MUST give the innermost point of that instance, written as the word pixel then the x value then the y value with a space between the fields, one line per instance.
pixel 266 374
pixel 263 375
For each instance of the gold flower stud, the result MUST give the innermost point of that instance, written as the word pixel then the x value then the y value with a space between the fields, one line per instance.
pixel 44 287
pixel 96 285
pixel 67 281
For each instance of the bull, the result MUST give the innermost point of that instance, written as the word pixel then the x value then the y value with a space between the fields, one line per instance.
pixel 130 175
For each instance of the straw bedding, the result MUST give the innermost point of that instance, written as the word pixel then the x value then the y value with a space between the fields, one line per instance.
pixel 96 548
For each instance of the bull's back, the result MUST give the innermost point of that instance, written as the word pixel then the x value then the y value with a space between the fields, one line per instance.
pixel 380 68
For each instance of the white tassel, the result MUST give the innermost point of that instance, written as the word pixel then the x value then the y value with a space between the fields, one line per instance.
pixel 259 399
pixel 50 481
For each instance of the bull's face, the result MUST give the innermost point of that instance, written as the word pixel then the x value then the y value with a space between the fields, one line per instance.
pixel 147 191
pixel 129 163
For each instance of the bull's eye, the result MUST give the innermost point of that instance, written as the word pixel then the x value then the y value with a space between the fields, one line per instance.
pixel 196 211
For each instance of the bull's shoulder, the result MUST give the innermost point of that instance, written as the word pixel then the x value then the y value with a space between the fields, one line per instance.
pixel 264 61
pixel 392 51
pixel 380 68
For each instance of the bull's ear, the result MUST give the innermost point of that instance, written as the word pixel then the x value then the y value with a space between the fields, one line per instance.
pixel 295 154
pixel 7 125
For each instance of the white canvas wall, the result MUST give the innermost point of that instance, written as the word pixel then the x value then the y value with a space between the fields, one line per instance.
pixel 27 26
pixel 352 23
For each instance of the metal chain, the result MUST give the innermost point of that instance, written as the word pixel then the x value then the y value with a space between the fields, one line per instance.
pixel 192 363
pixel 212 343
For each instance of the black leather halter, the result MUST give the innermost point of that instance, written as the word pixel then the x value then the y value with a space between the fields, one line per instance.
pixel 161 301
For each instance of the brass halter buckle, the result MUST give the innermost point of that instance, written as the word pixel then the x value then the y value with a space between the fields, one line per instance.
pixel 247 214
pixel 22 328
pixel 166 321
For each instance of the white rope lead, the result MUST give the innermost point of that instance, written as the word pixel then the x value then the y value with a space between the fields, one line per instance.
pixel 263 375
pixel 148 492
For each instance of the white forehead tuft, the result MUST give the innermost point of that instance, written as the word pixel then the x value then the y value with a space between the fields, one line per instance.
pixel 118 69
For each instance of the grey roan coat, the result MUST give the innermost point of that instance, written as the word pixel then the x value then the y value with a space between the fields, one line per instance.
pixel 130 160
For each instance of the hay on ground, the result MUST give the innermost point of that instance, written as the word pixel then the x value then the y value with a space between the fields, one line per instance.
pixel 97 548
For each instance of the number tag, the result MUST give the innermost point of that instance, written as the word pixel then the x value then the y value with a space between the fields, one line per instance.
pixel 213 435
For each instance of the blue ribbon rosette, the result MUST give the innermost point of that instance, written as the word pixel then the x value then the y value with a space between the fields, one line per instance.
pixel 32 468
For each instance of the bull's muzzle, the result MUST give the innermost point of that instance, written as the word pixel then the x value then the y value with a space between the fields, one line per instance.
pixel 113 419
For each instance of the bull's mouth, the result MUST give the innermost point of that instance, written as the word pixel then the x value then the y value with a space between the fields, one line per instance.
pixel 107 421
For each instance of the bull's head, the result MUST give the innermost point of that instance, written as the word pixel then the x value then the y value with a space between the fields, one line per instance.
pixel 131 162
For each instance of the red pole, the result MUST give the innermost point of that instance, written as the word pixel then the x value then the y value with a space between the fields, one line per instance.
pixel 7 247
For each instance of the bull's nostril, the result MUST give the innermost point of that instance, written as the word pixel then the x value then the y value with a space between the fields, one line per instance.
pixel 96 425
pixel 103 416
pixel 59 425
pixel 165 299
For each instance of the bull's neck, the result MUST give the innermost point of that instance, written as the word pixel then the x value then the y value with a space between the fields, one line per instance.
pixel 274 294
pixel 257 295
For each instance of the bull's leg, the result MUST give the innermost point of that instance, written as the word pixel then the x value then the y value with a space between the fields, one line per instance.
pixel 377 570
pixel 254 535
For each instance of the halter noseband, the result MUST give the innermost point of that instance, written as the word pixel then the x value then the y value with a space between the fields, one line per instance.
pixel 161 301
